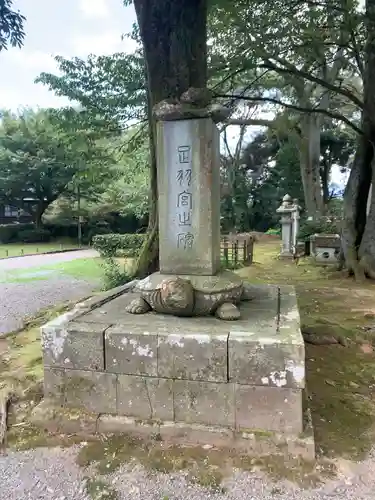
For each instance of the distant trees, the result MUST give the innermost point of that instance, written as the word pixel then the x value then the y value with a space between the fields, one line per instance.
pixel 42 153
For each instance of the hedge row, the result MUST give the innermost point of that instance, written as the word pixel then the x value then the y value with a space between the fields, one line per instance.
pixel 124 245
pixel 28 233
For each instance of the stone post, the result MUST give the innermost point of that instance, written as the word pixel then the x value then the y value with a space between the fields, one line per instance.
pixel 295 224
pixel 286 210
pixel 189 196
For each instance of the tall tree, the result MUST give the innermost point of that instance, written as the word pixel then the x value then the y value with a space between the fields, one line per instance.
pixel 40 155
pixel 11 25
pixel 358 235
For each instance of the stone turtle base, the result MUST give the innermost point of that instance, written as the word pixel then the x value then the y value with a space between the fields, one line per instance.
pixel 58 420
pixel 235 384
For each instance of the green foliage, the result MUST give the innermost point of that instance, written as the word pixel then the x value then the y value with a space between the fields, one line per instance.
pixel 129 190
pixel 111 245
pixel 37 235
pixel 325 225
pixel 9 232
pixel 112 87
pixel 273 232
pixel 11 26
pixel 42 153
pixel 113 274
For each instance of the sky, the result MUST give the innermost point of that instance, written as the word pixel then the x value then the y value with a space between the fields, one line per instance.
pixel 59 27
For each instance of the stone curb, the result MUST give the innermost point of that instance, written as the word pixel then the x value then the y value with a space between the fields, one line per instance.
pixel 52 418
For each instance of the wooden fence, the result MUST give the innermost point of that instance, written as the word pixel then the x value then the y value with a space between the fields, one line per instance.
pixel 237 250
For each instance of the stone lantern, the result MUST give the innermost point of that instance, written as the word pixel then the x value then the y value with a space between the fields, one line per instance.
pixel 286 209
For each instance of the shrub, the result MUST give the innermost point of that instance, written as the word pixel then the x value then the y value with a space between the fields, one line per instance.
pixel 273 232
pixel 113 275
pixel 125 245
pixel 9 233
pixel 324 225
pixel 34 236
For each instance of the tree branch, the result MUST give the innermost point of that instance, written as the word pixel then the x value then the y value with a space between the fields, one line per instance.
pixel 335 116
pixel 292 70
pixel 250 121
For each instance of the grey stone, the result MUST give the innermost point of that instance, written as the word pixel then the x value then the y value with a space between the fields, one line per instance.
pixel 130 353
pixel 93 391
pixel 189 193
pixel 188 295
pixel 145 398
pixel 74 345
pixel 265 361
pixel 193 357
pixel 175 433
pixel 119 424
pixel 204 403
pixel 271 352
pixel 54 384
pixel 268 409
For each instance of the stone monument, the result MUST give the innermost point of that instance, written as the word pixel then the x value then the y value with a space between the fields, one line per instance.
pixel 181 372
pixel 289 211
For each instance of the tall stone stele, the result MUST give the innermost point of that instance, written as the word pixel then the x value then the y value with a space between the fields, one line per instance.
pixel 190 281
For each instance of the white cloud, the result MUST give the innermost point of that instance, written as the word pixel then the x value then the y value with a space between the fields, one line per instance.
pixel 96 9
pixel 101 44
pixel 33 60
pixel 33 96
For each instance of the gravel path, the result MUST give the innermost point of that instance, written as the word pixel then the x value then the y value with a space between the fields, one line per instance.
pixel 46 259
pixel 18 301
pixel 52 474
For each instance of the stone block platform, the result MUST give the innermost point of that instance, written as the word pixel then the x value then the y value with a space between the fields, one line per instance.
pixel 188 380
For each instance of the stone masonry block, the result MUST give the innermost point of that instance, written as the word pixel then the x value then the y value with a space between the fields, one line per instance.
pixel 265 362
pixel 198 356
pixel 145 398
pixel 204 403
pixel 94 391
pixel 268 409
pixel 74 345
pixel 54 384
pixel 270 352
pixel 193 357
pixel 130 353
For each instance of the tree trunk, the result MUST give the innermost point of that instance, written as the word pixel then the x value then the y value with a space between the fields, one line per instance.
pixel 310 165
pixel 174 34
pixel 358 232
pixel 40 208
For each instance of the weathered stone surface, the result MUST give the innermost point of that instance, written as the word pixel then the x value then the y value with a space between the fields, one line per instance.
pixel 265 362
pixel 74 345
pixel 119 424
pixel 268 409
pixel 193 357
pixel 204 403
pixel 271 352
pixel 91 390
pixel 189 193
pixel 144 397
pixel 130 353
pixel 174 433
pixel 54 386
pixel 54 418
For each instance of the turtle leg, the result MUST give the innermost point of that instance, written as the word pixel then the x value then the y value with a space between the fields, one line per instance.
pixel 228 312
pixel 138 306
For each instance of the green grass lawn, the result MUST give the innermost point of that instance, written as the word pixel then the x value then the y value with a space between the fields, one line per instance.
pixel 85 269
pixel 19 249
